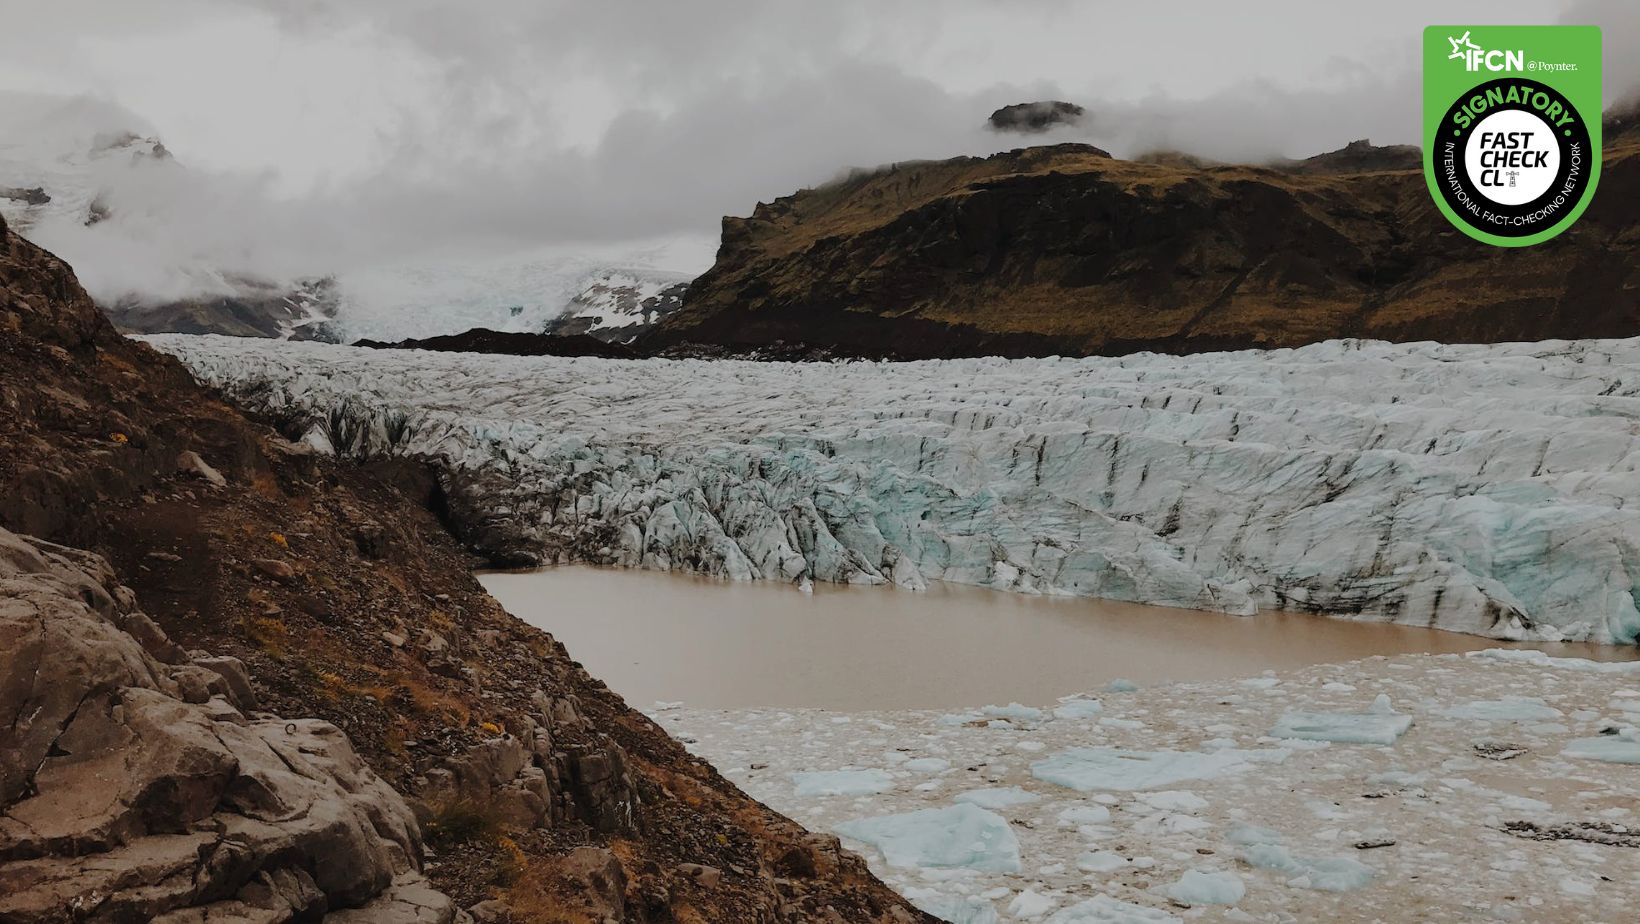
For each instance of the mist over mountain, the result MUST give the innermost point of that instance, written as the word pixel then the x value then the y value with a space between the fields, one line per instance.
pixel 490 163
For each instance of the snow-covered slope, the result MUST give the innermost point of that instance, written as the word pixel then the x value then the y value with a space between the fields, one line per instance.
pixel 552 289
pixel 619 305
pixel 56 158
pixel 1485 489
pixel 95 186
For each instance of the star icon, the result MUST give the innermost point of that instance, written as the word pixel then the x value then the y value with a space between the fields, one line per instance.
pixel 1461 46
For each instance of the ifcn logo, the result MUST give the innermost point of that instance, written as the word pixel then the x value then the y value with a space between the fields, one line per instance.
pixel 1475 57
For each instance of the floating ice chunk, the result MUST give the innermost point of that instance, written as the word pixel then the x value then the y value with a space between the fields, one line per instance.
pixel 1199 888
pixel 927 764
pixel 842 782
pixel 1621 748
pixel 1105 910
pixel 959 718
pixel 1507 709
pixel 1333 686
pixel 1380 724
pixel 960 835
pixel 1247 835
pixel 998 797
pixel 1121 686
pixel 954 909
pixel 1523 803
pixel 1084 815
pixel 1100 861
pixel 1174 800
pixel 1031 904
pixel 1170 823
pixel 1334 874
pixel 1261 683
pixel 1089 769
pixel 1013 712
pixel 1536 657
pixel 1078 709
pixel 1399 778
pixel 1571 885
pixel 1296 744
pixel 1125 724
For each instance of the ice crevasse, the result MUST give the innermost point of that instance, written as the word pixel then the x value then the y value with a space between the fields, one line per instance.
pixel 1491 489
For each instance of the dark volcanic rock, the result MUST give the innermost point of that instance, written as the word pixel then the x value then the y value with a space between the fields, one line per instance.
pixel 1035 117
pixel 484 340
pixel 1060 250
pixel 34 195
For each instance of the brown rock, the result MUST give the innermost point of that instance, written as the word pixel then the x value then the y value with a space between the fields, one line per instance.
pixel 273 568
pixel 708 876
pixel 137 787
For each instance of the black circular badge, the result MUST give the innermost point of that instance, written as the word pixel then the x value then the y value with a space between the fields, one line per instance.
pixel 1512 157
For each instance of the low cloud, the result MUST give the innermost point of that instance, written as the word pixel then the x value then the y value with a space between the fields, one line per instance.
pixel 552 125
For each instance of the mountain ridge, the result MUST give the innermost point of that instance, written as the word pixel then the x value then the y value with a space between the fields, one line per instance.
pixel 1065 250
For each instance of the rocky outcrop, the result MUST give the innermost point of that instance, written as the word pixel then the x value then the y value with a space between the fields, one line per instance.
pixel 1361 156
pixel 1063 251
pixel 1035 117
pixel 34 195
pixel 138 781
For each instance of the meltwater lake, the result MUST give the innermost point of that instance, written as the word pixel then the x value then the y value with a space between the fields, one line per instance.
pixel 710 643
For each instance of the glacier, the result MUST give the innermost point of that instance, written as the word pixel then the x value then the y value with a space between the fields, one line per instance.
pixel 1488 489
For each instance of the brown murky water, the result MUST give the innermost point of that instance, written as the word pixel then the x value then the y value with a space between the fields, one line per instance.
pixel 718 644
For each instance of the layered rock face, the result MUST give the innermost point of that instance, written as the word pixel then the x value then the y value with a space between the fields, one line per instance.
pixel 143 771
pixel 1063 250
pixel 137 781
pixel 1483 489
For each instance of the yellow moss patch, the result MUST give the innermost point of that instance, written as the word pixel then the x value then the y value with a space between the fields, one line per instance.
pixel 429 700
pixel 269 633
pixel 511 863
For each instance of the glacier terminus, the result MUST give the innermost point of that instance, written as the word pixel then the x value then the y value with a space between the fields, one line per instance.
pixel 1488 489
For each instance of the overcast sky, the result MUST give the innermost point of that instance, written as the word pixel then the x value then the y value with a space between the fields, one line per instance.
pixel 340 126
